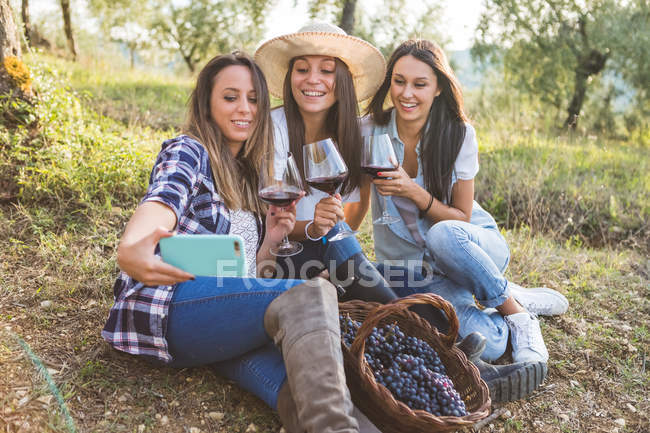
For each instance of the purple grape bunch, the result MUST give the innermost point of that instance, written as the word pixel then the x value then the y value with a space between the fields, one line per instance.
pixel 408 367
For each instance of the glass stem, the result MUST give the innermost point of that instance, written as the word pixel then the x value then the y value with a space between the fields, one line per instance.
pixel 285 240
pixel 385 213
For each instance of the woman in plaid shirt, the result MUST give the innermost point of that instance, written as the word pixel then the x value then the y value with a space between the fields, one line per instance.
pixel 206 181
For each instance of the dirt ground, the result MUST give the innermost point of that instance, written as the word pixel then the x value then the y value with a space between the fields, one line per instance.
pixel 53 304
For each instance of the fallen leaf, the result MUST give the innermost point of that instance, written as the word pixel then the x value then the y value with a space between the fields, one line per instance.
pixel 45 399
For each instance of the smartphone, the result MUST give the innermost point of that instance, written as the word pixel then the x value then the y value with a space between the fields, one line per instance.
pixel 206 255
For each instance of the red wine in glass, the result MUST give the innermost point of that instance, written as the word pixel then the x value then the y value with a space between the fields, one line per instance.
pixel 279 197
pixel 377 155
pixel 329 185
pixel 326 171
pixel 372 170
pixel 280 185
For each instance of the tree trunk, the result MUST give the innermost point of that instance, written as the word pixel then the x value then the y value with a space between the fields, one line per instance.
pixel 188 61
pixel 15 90
pixel 187 57
pixel 590 64
pixel 15 78
pixel 9 42
pixel 576 102
pixel 26 21
pixel 347 16
pixel 67 25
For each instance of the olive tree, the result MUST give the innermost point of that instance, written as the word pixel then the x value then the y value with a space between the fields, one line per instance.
pixel 554 48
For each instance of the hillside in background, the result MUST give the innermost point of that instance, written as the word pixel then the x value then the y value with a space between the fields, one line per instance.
pixel 466 69
pixel 471 75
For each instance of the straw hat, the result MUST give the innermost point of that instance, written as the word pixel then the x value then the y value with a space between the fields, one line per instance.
pixel 366 63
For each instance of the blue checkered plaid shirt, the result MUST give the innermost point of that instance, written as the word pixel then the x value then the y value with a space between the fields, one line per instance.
pixel 181 179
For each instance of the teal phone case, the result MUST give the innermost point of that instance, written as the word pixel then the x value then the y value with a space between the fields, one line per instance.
pixel 206 255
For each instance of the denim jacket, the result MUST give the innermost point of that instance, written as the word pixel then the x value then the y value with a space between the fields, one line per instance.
pixel 394 242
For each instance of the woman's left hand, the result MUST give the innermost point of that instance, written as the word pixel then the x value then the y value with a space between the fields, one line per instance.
pixel 400 183
pixel 279 222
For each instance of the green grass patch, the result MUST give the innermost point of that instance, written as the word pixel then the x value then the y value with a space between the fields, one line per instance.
pixel 587 191
pixel 132 96
pixel 78 164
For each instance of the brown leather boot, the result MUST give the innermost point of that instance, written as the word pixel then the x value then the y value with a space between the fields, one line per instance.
pixel 304 323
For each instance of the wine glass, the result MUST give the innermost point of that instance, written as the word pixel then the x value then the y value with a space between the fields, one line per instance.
pixel 377 155
pixel 280 185
pixel 325 170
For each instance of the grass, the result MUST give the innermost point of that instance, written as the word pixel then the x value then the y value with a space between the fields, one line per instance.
pixel 80 175
pixel 591 191
pixel 156 99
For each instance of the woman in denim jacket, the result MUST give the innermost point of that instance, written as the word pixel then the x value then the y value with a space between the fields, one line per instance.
pixel 441 227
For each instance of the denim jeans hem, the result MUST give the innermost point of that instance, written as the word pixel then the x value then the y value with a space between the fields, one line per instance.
pixel 496 301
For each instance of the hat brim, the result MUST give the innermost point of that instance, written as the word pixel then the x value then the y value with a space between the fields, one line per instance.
pixel 366 63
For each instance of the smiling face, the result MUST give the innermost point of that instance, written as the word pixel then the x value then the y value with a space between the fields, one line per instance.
pixel 413 88
pixel 312 83
pixel 233 104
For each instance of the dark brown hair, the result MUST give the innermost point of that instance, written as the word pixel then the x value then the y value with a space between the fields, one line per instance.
pixel 444 132
pixel 236 178
pixel 342 124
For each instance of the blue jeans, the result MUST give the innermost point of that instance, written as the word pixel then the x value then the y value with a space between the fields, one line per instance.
pixel 220 321
pixel 489 322
pixel 319 255
pixel 473 256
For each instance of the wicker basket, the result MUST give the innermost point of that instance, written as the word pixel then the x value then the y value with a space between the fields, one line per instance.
pixel 377 402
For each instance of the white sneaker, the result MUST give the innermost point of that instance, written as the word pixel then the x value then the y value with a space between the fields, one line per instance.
pixel 539 300
pixel 526 338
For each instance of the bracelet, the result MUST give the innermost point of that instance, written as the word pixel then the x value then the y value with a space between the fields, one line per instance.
pixel 307 232
pixel 424 212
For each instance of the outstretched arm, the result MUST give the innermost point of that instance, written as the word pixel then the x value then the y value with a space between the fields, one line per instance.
pixel 151 222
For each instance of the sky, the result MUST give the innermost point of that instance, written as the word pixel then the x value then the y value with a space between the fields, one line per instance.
pixel 460 20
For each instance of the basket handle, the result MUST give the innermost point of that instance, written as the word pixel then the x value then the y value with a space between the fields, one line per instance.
pixel 358 346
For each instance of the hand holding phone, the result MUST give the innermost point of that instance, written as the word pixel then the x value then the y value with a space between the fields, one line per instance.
pixel 138 260
pixel 206 255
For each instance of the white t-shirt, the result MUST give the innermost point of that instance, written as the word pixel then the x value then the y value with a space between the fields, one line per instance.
pixel 466 165
pixel 244 224
pixel 306 206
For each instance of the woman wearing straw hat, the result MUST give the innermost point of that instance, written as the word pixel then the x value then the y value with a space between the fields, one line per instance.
pixel 322 73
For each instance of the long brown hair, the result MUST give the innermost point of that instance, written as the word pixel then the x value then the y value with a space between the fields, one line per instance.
pixel 236 178
pixel 444 132
pixel 341 123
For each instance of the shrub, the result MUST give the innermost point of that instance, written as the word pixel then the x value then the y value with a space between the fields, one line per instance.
pixel 80 163
pixel 18 73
